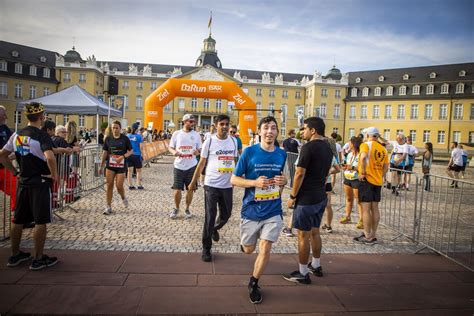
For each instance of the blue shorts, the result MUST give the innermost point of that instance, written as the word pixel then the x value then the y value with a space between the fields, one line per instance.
pixel 305 217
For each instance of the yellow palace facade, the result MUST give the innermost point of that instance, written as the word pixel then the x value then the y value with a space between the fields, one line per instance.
pixel 347 102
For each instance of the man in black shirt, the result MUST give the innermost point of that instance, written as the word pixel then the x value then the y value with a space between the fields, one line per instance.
pixel 291 144
pixel 34 154
pixel 308 197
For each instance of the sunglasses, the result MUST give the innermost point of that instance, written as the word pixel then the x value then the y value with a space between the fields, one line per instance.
pixel 232 132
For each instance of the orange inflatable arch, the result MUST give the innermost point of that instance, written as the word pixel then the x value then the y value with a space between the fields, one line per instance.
pixel 174 87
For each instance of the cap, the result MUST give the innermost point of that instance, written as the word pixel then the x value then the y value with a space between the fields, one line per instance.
pixel 34 108
pixel 188 117
pixel 135 125
pixel 372 131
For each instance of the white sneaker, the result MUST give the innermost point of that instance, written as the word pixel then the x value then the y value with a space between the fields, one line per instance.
pixel 108 210
pixel 125 202
pixel 187 214
pixel 174 213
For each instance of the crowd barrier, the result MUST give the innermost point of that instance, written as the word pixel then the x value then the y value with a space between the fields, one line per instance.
pixel 8 185
pixel 154 150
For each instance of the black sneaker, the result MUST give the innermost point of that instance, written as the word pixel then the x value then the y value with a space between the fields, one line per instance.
pixel 215 235
pixel 315 271
pixel 14 261
pixel 44 262
pixel 254 293
pixel 131 187
pixel 297 277
pixel 206 255
pixel 372 241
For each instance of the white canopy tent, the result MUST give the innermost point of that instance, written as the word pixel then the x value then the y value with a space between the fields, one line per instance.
pixel 73 100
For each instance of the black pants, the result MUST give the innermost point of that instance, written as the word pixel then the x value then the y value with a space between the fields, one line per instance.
pixel 214 197
pixel 427 182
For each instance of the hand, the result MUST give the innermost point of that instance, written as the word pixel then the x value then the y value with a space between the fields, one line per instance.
pixel 279 180
pixel 177 154
pixel 192 186
pixel 68 150
pixel 101 170
pixel 55 178
pixel 261 182
pixel 76 149
pixel 361 177
pixel 291 203
pixel 196 153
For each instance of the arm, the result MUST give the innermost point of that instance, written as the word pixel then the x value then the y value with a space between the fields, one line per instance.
pixel 260 182
pixel 51 161
pixel 60 150
pixel 103 160
pixel 297 182
pixel 363 164
pixel 6 162
pixel 197 173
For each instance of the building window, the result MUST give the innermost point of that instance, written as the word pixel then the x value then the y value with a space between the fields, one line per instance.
pixel 82 78
pixel 428 111
pixel 139 103
pixel 166 124
pixel 444 88
pixel 139 85
pixel 194 103
pixel 441 137
pixel 416 90
pixel 337 94
pixel 32 70
pixel 17 117
pixel 401 112
pixel 386 133
pixel 297 95
pixel 414 112
pixel 354 92
pixel 399 131
pixel 406 77
pixel 389 91
pixel 352 111
pixel 67 77
pixel 462 73
pixel 125 84
pixel 443 111
pixel 363 111
pixel 457 136
pixel 471 117
pixel 45 91
pixel 381 78
pixel 65 119
pixel 32 92
pixel 471 137
pixel 432 75
pixel 322 110
pixel 358 80
pixel 167 107
pixel 3 65
pixel 388 112
pixel 402 90
pixel 259 108
pixel 285 94
pixel 206 105
pixel 82 119
pixel 426 136
pixel 18 91
pixel 351 132
pixel 219 106
pixel 430 89
pixel 460 88
pixel 378 91
pixel 259 92
pixel 245 90
pixel 272 93
pixel 18 68
pixel 458 111
pixel 324 92
pixel 365 92
pixel 376 111
pixel 337 111
pixel 181 105
pixel 46 72
pixel 3 89
pixel 413 135
pixel 154 86
pixel 335 130
pixel 271 107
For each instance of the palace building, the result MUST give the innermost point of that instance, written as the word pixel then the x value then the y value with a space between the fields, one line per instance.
pixel 434 103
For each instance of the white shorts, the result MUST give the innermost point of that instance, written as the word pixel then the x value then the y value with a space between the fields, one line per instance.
pixel 251 231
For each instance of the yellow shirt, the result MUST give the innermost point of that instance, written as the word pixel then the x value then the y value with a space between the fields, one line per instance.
pixel 377 156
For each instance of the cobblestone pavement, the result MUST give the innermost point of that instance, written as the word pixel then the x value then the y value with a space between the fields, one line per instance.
pixel 146 226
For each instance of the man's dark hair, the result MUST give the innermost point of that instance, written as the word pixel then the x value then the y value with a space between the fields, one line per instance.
pixel 455 144
pixel 118 123
pixel 48 124
pixel 34 117
pixel 291 131
pixel 221 117
pixel 317 123
pixel 334 135
pixel 267 120
pixel 233 126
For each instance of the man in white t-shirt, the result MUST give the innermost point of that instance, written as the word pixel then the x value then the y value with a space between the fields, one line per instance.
pixel 398 160
pixel 185 145
pixel 455 163
pixel 218 156
pixel 412 153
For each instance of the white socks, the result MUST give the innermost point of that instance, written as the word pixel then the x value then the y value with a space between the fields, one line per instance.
pixel 316 262
pixel 304 269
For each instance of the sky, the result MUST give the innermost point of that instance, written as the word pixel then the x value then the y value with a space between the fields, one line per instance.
pixel 282 36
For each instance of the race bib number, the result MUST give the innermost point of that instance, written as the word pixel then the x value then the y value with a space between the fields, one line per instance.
pixel 272 192
pixel 186 151
pixel 225 164
pixel 350 174
pixel 114 163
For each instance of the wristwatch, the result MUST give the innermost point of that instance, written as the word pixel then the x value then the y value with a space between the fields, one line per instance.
pixel 292 197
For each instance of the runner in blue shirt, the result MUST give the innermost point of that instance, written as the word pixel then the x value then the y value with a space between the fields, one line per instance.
pixel 135 160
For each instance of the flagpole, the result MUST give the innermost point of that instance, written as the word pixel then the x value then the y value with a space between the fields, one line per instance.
pixel 210 25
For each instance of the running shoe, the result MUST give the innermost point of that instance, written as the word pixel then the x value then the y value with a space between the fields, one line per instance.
pixel 288 232
pixel 16 260
pixel 254 293
pixel 108 210
pixel 297 277
pixel 125 202
pixel 315 271
pixel 174 213
pixel 345 220
pixel 44 262
pixel 360 225
pixel 187 214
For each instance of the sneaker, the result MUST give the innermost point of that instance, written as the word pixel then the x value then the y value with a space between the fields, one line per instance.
pixel 44 262
pixel 315 271
pixel 108 210
pixel 140 187
pixel 14 261
pixel 297 277
pixel 345 220
pixel 372 241
pixel 360 225
pixel 125 202
pixel 174 213
pixel 131 187
pixel 327 228
pixel 206 255
pixel 187 214
pixel 363 240
pixel 215 235
pixel 288 232
pixel 254 293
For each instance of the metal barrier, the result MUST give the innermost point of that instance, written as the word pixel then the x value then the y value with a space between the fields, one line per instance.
pixel 8 185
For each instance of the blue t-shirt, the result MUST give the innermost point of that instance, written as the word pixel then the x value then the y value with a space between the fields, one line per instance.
pixel 136 140
pixel 253 163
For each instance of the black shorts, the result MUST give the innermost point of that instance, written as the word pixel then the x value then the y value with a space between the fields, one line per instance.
pixel 352 183
pixel 134 161
pixel 182 178
pixel 33 204
pixel 409 168
pixel 117 170
pixel 328 187
pixel 455 168
pixel 369 192
pixel 398 168
pixel 306 217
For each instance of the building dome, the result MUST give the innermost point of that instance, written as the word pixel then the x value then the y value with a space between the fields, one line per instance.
pixel 72 56
pixel 209 54
pixel 334 74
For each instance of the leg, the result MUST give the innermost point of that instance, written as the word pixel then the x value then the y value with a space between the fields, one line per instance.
pixel 119 179
pixel 359 206
pixel 303 246
pixel 210 207
pixel 316 243
pixel 375 218
pixel 15 238
pixel 177 198
pixel 139 176
pixel 189 198
pixel 349 199
pixel 329 213
pixel 225 207
pixel 129 176
pixel 367 218
pixel 109 176
pixel 39 236
pixel 265 247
